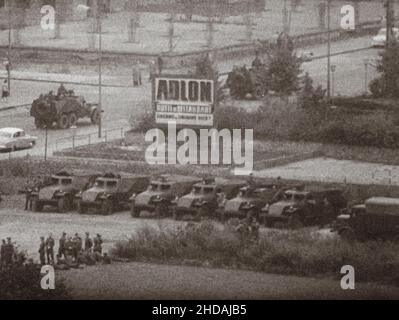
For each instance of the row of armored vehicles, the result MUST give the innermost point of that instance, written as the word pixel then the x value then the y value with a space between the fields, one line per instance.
pixel 273 203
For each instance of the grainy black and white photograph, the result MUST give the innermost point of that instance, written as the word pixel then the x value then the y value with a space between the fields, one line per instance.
pixel 219 150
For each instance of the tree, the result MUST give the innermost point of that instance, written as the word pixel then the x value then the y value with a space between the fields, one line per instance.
pixel 388 66
pixel 309 96
pixel 284 66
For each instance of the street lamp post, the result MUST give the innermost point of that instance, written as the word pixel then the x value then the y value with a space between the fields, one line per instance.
pixel 8 65
pixel 328 49
pixel 100 63
pixel 45 142
pixel 333 68
pixel 366 64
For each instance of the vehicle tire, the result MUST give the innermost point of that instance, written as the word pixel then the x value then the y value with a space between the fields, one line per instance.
pixel 202 212
pixel 295 221
pixel 82 209
pixel 107 207
pixel 176 215
pixel 36 205
pixel 72 119
pixel 134 211
pixel 268 223
pixel 162 210
pixel 63 205
pixel 32 144
pixel 95 117
pixel 347 234
pixel 63 121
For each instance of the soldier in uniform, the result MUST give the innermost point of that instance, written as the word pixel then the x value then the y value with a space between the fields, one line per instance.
pixel 62 246
pixel 9 252
pixel 88 243
pixel 61 91
pixel 42 251
pixel 50 249
pixel 98 244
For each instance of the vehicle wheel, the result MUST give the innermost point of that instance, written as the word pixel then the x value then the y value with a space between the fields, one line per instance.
pixel 72 118
pixel 161 210
pixel 176 215
pixel 63 121
pixel 222 217
pixel 39 124
pixel 36 205
pixel 107 207
pixel 268 223
pixel 63 205
pixel 32 144
pixel 134 211
pixel 82 209
pixel 95 117
pixel 347 234
pixel 295 222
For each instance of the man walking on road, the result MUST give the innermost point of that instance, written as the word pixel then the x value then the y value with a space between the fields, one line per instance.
pixel 4 92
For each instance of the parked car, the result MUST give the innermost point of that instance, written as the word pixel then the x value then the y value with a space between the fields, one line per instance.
pixel 206 196
pixel 380 39
pixel 161 194
pixel 377 218
pixel 12 139
pixel 308 206
pixel 61 190
pixel 250 200
pixel 111 192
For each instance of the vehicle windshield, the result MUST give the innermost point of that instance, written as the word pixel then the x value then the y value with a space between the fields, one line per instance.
pixel 112 184
pixel 165 187
pixel 66 181
pixel 294 196
pixel 196 190
pixel 208 189
pixel 5 134
pixel 99 183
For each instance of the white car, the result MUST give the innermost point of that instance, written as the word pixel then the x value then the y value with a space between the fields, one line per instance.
pixel 12 139
pixel 380 39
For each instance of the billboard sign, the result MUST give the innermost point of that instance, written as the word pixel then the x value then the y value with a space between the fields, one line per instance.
pixel 188 101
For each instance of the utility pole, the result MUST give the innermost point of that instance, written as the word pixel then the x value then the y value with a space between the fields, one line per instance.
pixel 328 50
pixel 389 20
pixel 100 66
pixel 8 65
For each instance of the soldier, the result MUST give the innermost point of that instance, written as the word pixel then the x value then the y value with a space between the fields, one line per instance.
pixel 98 244
pixel 50 249
pixel 78 242
pixel 29 188
pixel 70 247
pixel 61 91
pixel 3 252
pixel 42 251
pixel 88 243
pixel 160 64
pixel 62 246
pixel 9 253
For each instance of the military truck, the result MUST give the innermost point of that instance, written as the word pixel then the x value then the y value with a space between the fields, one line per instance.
pixel 206 196
pixel 111 192
pixel 250 201
pixel 63 110
pixel 311 205
pixel 161 194
pixel 61 190
pixel 376 219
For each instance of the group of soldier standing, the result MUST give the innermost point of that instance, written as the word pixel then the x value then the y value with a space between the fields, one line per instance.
pixel 7 252
pixel 70 248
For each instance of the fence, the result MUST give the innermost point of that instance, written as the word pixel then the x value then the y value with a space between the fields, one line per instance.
pixel 88 139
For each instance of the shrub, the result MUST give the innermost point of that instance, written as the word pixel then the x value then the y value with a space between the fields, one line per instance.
pixel 300 252
pixel 21 281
